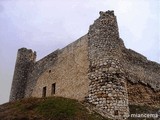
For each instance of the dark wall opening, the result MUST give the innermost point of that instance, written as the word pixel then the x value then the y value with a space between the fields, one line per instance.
pixel 53 90
pixel 44 91
pixel 116 112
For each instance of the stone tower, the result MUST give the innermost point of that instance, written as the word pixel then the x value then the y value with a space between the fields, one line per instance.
pixel 25 59
pixel 108 90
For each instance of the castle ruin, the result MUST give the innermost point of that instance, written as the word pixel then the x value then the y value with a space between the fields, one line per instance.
pixel 96 68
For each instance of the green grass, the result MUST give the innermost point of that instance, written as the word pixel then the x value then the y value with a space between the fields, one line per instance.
pixel 67 109
pixel 52 108
pixel 57 108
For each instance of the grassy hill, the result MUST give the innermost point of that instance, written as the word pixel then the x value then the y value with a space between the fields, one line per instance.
pixel 55 108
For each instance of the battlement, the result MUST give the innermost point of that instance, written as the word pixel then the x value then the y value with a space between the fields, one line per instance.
pixel 27 54
pixel 107 13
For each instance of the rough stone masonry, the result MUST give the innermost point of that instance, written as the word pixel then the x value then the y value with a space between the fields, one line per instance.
pixel 96 68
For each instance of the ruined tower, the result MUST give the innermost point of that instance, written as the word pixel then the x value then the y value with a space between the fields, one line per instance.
pixel 25 59
pixel 108 90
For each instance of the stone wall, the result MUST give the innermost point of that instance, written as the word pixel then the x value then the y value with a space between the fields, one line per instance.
pixel 139 69
pixel 143 78
pixel 140 94
pixel 69 73
pixel 108 89
pixel 37 69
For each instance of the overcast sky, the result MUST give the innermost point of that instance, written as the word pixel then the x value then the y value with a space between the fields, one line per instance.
pixel 45 25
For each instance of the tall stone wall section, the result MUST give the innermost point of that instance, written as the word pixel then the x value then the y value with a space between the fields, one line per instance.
pixel 69 73
pixel 107 88
pixel 25 59
pixel 38 69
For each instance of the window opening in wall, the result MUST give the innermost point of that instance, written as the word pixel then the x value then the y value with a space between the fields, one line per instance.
pixel 53 89
pixel 116 112
pixel 44 91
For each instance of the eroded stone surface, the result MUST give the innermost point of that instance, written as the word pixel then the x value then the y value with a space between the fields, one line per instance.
pixel 108 90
